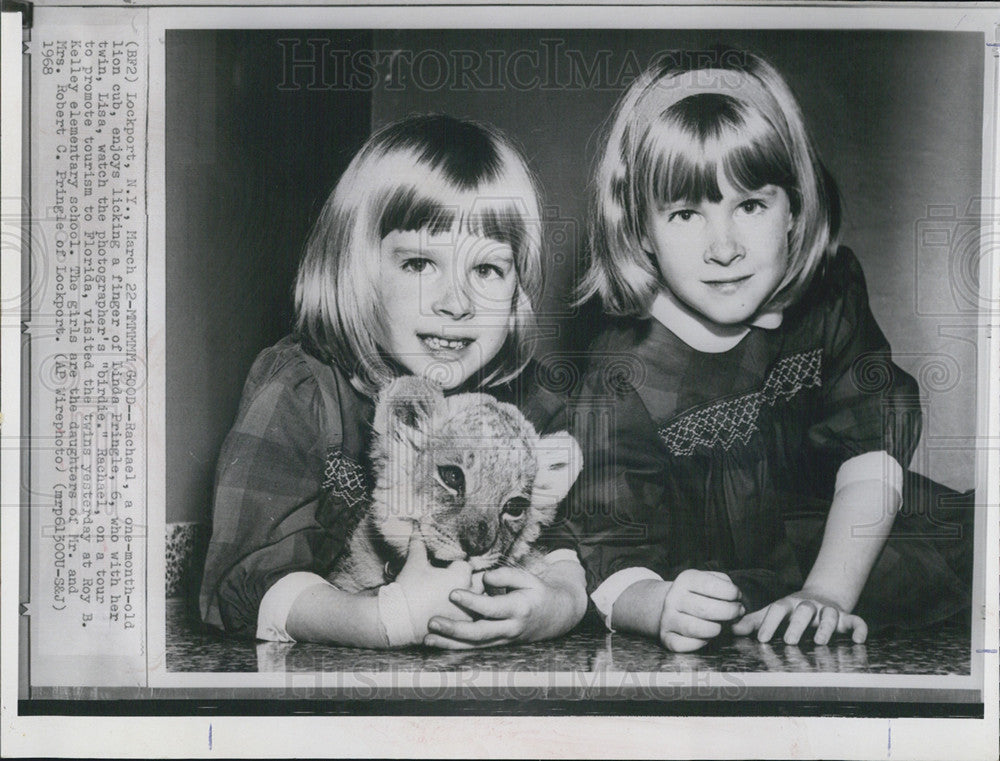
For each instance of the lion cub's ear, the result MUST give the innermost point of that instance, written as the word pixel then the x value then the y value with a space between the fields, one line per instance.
pixel 405 406
pixel 559 463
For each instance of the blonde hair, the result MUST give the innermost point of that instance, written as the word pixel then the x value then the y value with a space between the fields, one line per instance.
pixel 670 135
pixel 427 172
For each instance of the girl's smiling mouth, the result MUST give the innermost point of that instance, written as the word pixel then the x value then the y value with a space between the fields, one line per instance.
pixel 441 344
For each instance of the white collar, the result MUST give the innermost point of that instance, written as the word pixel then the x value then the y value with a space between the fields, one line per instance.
pixel 699 333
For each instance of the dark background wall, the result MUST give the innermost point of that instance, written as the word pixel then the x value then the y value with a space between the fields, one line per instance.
pixel 248 166
pixel 254 143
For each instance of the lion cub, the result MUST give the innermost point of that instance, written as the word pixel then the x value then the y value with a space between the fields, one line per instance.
pixel 470 471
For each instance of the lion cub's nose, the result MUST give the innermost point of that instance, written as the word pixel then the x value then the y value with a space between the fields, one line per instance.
pixel 477 537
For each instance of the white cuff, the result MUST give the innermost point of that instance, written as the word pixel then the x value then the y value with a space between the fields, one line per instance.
pixel 272 615
pixel 612 587
pixel 557 556
pixel 871 466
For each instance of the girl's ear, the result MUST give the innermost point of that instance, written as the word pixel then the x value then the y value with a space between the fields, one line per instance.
pixel 559 463
pixel 405 407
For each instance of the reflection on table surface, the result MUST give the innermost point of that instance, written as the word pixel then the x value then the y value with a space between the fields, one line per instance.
pixel 944 650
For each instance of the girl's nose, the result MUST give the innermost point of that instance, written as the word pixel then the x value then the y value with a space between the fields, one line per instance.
pixel 723 248
pixel 453 301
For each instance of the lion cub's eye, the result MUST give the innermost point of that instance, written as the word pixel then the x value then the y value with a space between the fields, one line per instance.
pixel 516 506
pixel 452 477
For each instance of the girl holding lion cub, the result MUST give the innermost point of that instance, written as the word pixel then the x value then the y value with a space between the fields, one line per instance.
pixel 425 260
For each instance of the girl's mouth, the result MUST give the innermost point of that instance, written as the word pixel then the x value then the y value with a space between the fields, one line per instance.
pixel 442 344
pixel 727 286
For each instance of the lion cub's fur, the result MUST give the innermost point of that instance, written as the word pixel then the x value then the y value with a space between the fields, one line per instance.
pixel 470 471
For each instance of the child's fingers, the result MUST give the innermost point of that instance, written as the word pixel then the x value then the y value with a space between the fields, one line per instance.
pixel 487 606
pixel 461 572
pixel 828 618
pixel 776 613
pixel 446 643
pixel 720 575
pixel 477 583
pixel 425 601
pixel 714 584
pixel 678 643
pixel 416 552
pixel 749 623
pixel 711 608
pixel 515 578
pixel 691 626
pixel 802 616
pixel 854 624
pixel 482 630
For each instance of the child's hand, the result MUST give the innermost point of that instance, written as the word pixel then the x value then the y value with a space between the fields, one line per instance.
pixel 694 608
pixel 802 609
pixel 534 608
pixel 426 588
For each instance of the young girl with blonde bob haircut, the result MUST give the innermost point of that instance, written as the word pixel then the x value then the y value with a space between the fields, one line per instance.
pixel 425 259
pixel 745 431
pixel 474 181
pixel 655 153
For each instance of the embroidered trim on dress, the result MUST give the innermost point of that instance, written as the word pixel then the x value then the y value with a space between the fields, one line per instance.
pixel 725 423
pixel 345 479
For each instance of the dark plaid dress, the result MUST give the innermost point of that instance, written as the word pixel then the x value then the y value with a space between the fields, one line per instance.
pixel 728 461
pixel 290 483
pixel 292 479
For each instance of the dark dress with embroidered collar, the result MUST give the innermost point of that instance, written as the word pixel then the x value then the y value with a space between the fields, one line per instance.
pixel 292 480
pixel 727 461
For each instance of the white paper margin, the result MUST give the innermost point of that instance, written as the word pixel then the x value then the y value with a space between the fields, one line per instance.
pixel 524 737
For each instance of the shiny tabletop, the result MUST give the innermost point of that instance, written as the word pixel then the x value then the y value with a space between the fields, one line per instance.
pixel 945 650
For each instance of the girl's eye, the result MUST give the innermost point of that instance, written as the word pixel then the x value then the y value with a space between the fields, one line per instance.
pixel 683 215
pixel 752 205
pixel 415 265
pixel 489 271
